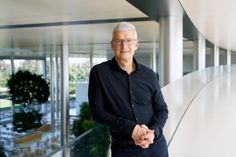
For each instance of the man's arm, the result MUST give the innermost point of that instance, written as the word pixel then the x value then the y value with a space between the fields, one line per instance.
pixel 96 101
pixel 160 110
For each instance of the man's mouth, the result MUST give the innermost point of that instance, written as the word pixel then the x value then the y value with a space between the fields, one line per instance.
pixel 124 51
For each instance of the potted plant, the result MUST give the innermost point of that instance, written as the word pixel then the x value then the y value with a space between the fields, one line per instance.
pixel 28 90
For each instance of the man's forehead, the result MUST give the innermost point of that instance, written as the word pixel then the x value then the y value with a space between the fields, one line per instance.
pixel 124 33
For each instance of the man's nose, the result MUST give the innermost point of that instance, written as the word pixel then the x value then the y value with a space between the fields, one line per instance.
pixel 123 43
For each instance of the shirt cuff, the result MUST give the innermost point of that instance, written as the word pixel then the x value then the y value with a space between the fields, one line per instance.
pixel 131 129
pixel 157 131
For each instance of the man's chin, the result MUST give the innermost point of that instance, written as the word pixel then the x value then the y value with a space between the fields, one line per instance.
pixel 125 57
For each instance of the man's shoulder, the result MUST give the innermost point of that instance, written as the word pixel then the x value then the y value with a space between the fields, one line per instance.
pixel 148 73
pixel 101 66
pixel 145 69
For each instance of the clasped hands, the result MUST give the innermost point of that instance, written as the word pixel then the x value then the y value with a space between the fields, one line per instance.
pixel 143 136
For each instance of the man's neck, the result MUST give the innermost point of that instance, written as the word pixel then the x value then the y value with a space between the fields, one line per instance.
pixel 126 65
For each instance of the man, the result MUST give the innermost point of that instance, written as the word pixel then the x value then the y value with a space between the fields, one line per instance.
pixel 125 96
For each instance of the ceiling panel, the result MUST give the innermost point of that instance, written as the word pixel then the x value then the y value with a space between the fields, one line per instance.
pixel 80 34
pixel 27 12
pixel 43 11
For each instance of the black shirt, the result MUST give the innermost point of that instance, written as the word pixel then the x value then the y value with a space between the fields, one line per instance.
pixel 120 101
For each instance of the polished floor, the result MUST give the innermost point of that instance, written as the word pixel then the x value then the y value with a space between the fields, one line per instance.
pixel 202 121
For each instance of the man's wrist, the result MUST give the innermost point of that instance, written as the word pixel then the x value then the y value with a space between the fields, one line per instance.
pixel 156 134
pixel 134 133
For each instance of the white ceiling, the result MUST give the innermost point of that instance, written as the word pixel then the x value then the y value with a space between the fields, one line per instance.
pixel 214 19
pixel 25 12
pixel 34 11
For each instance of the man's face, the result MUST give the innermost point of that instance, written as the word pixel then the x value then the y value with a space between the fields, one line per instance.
pixel 124 45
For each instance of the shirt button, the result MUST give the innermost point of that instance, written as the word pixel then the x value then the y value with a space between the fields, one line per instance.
pixel 136 119
pixel 131 91
pixel 132 105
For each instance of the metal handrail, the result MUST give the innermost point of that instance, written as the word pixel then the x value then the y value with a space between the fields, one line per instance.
pixel 73 141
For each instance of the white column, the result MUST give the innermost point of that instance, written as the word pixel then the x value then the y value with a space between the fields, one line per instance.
pixel 171 49
pixel 52 94
pixel 91 57
pixel 44 67
pixel 12 72
pixel 216 55
pixel 64 94
pixel 57 87
pixel 228 57
pixel 44 71
pixel 195 55
pixel 201 52
pixel 154 56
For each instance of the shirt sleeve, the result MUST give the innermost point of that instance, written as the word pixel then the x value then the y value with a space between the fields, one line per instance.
pixel 160 109
pixel 97 102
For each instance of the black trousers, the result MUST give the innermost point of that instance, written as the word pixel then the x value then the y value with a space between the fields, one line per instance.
pixel 157 149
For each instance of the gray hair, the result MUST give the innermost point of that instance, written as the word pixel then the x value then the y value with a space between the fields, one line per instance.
pixel 125 26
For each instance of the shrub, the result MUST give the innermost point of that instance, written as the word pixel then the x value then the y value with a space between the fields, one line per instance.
pixel 2 154
pixel 84 122
pixel 94 144
pixel 24 121
pixel 28 89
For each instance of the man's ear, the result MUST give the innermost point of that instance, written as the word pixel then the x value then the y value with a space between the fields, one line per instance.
pixel 136 45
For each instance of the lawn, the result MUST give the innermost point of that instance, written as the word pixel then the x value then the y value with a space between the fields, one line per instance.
pixel 4 93
pixel 5 103
pixel 4 98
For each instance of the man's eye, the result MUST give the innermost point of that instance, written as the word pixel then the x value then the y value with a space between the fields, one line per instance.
pixel 129 40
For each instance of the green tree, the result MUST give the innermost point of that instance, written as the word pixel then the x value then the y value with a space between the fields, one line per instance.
pixel 31 65
pixel 84 122
pixel 28 89
pixel 77 73
pixel 4 73
pixel 83 73
pixel 74 70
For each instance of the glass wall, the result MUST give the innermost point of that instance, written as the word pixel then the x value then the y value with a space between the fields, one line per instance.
pixel 144 53
pixel 8 135
pixel 233 57
pixel 188 57
pixel 81 60
pixel 5 100
pixel 209 54
pixel 223 57
pixel 34 66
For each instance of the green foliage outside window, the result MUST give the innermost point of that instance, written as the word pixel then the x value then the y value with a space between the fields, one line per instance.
pixel 4 73
pixel 33 66
pixel 78 73
pixel 96 143
pixel 84 122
